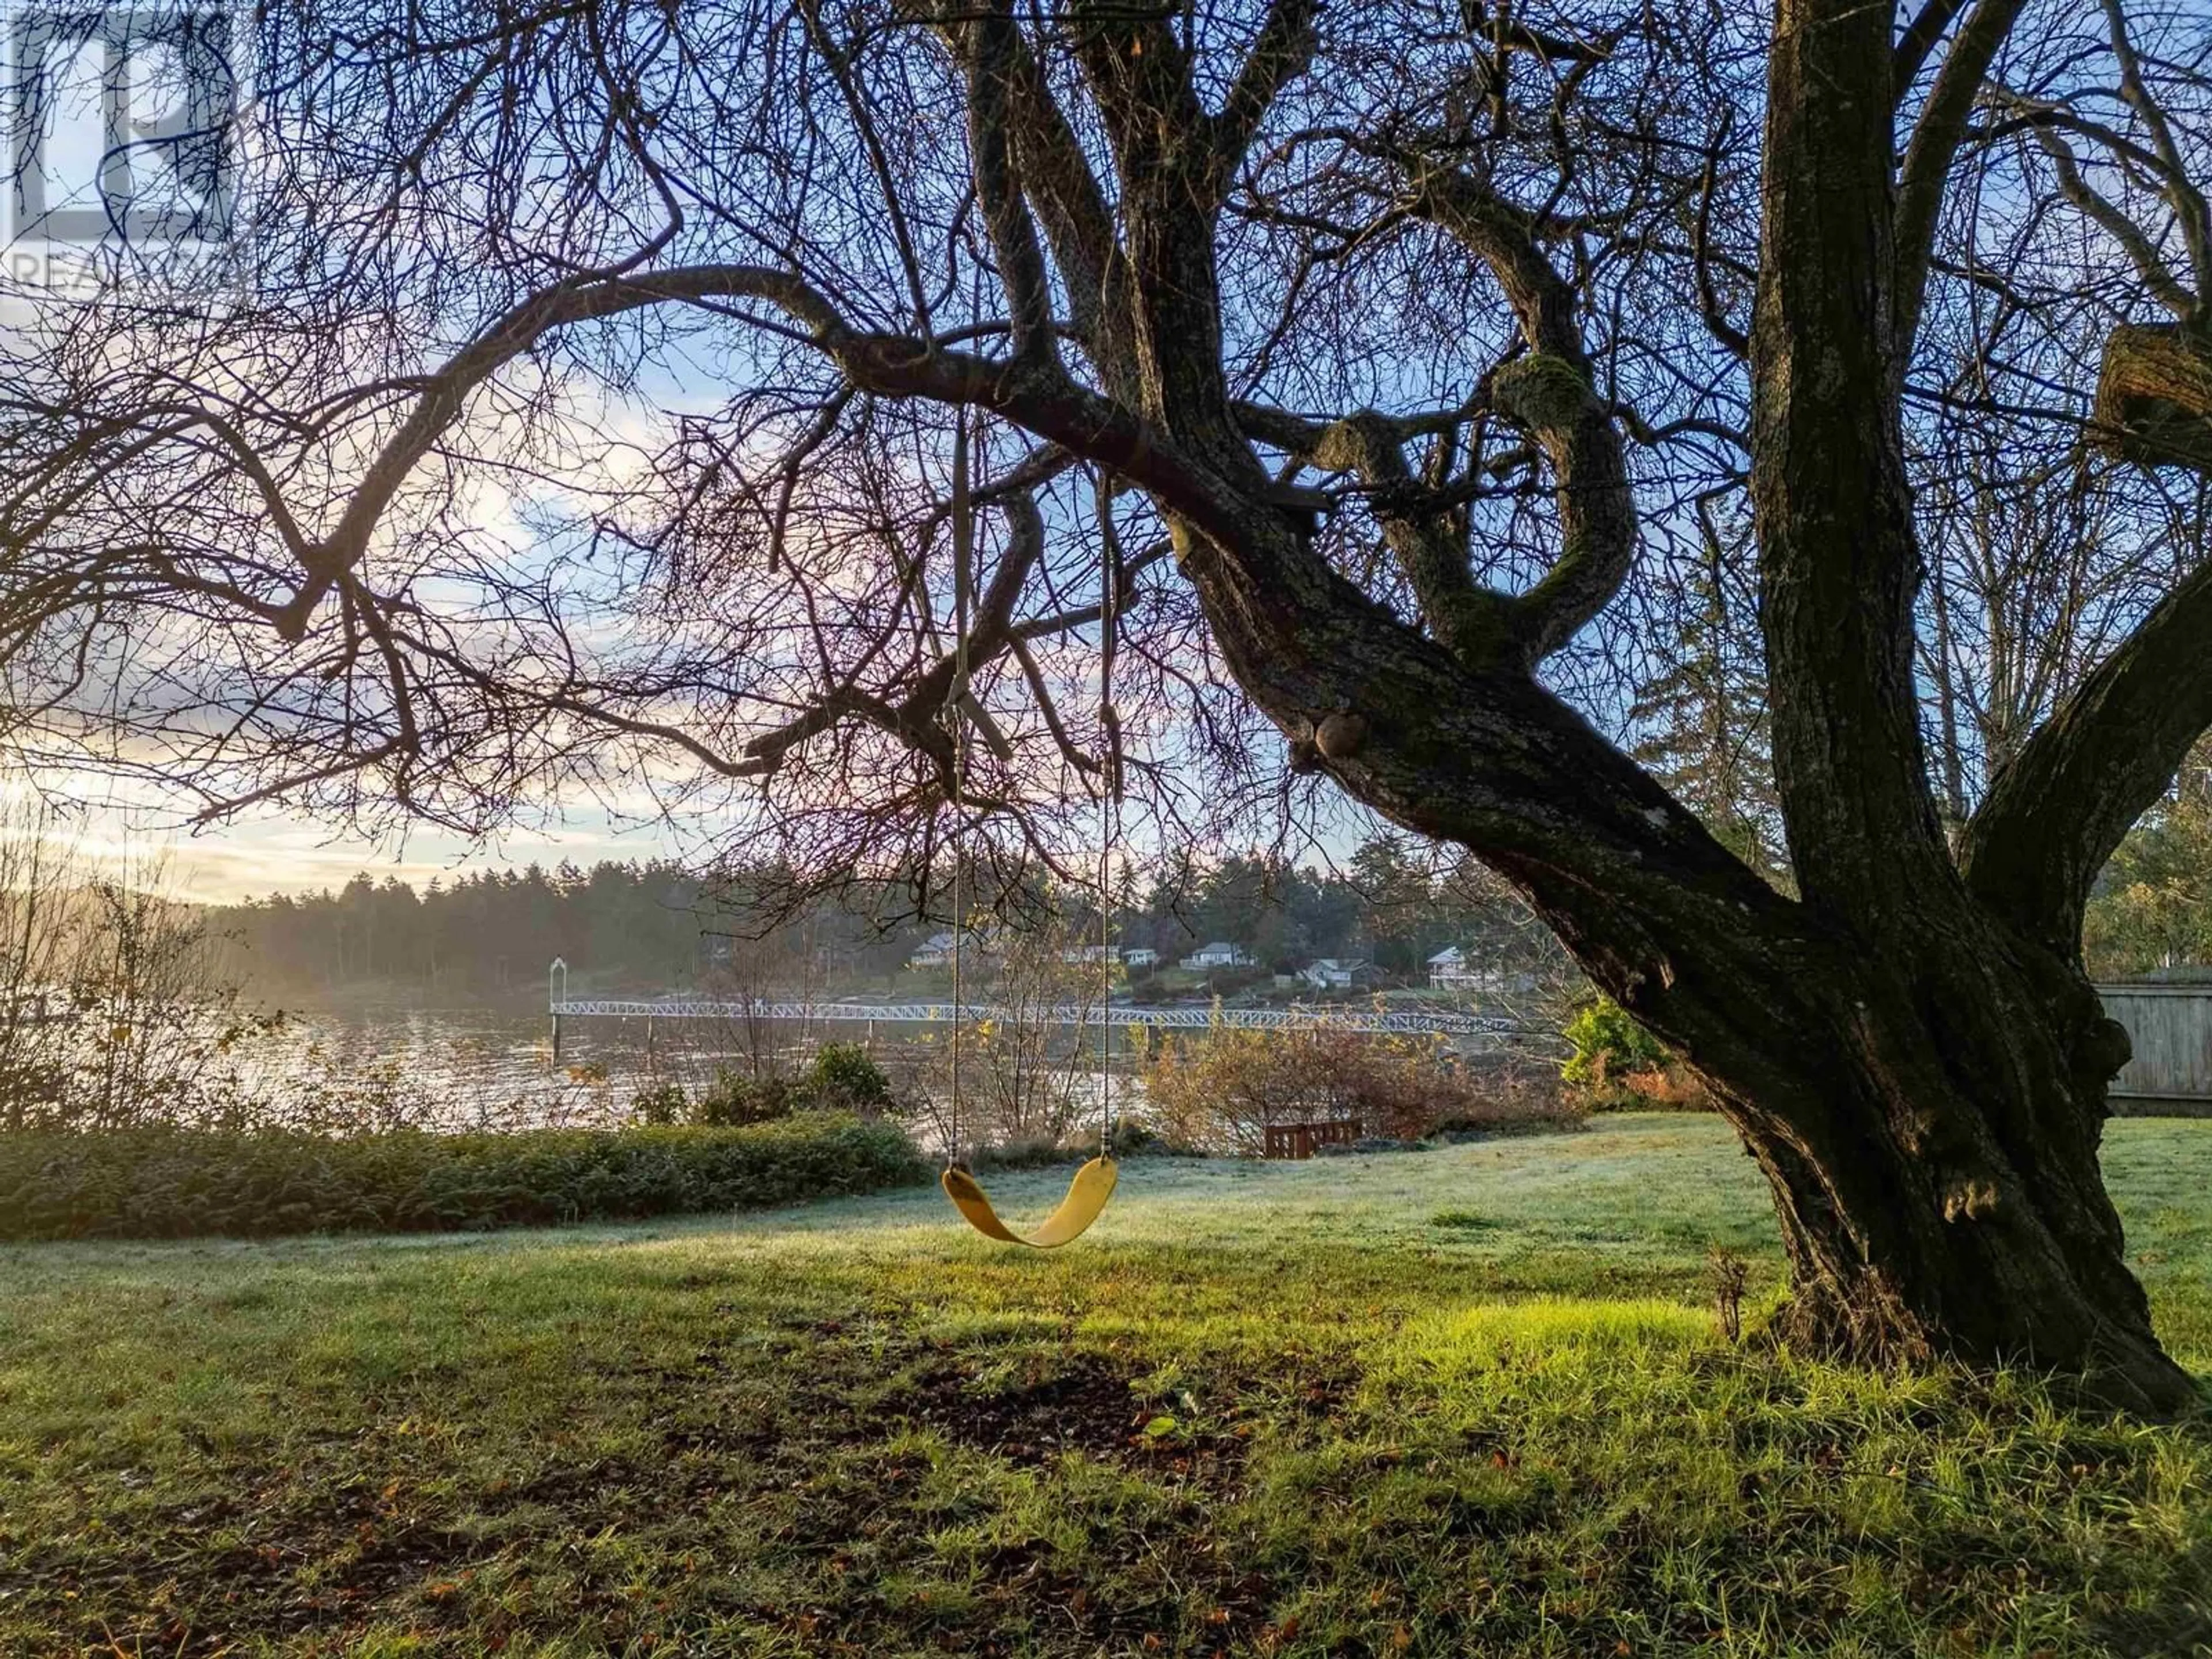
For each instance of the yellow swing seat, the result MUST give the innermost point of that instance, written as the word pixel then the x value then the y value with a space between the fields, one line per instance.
pixel 1086 1197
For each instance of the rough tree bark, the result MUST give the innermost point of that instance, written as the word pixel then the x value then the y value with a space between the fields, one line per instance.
pixel 2152 394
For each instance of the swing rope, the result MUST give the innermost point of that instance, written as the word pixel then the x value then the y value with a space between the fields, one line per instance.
pixel 1109 805
pixel 963 554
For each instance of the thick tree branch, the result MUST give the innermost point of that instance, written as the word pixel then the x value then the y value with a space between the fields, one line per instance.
pixel 1919 39
pixel 1503 237
pixel 1282 53
pixel 1013 237
pixel 1078 225
pixel 1472 621
pixel 1057 178
pixel 1596 505
pixel 1548 393
pixel 1139 77
pixel 2056 814
pixel 1839 563
pixel 1929 157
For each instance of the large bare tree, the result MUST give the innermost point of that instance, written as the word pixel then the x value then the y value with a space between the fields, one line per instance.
pixel 591 408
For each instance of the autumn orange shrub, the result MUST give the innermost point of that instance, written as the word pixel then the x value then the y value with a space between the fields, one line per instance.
pixel 1223 1090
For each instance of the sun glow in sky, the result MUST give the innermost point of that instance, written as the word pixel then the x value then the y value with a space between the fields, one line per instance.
pixel 281 853
pixel 288 855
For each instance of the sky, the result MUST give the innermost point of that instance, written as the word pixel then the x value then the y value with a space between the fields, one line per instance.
pixel 285 853
pixel 253 860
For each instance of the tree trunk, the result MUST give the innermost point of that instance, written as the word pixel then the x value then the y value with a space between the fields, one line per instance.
pixel 1932 1149
pixel 1921 1078
pixel 1927 1102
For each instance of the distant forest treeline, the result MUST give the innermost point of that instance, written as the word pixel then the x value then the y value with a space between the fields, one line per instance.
pixel 482 934
pixel 492 933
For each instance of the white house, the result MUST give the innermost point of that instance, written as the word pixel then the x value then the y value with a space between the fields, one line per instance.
pixel 1136 955
pixel 1452 969
pixel 1219 954
pixel 935 951
pixel 1337 973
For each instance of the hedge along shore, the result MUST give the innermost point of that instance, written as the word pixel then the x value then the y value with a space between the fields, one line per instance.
pixel 186 1183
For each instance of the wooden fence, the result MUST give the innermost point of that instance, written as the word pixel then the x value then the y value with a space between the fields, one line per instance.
pixel 2170 1026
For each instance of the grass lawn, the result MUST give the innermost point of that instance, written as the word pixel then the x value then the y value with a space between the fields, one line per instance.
pixel 1470 1401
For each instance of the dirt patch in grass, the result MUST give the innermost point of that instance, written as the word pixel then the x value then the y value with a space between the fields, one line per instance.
pixel 1218 1608
pixel 182 1604
pixel 1087 1408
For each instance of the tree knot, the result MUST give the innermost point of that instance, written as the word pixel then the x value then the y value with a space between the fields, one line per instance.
pixel 1972 1198
pixel 1341 736
pixel 2105 1047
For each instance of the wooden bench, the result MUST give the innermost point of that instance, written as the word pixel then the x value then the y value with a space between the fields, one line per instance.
pixel 1299 1140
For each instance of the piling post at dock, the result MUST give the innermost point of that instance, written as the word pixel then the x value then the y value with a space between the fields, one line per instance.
pixel 557 992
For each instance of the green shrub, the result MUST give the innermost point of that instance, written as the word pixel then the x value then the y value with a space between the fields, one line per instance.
pixel 661 1103
pixel 733 1100
pixel 1608 1042
pixel 179 1183
pixel 844 1074
pixel 1616 1062
pixel 842 1079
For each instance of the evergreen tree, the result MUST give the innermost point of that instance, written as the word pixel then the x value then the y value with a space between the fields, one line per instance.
pixel 1702 718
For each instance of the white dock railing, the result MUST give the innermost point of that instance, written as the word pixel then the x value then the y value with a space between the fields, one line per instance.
pixel 1173 1017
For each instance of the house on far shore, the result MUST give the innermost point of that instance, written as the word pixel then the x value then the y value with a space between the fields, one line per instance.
pixel 1338 973
pixel 1092 955
pixel 1219 954
pixel 935 951
pixel 1450 969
